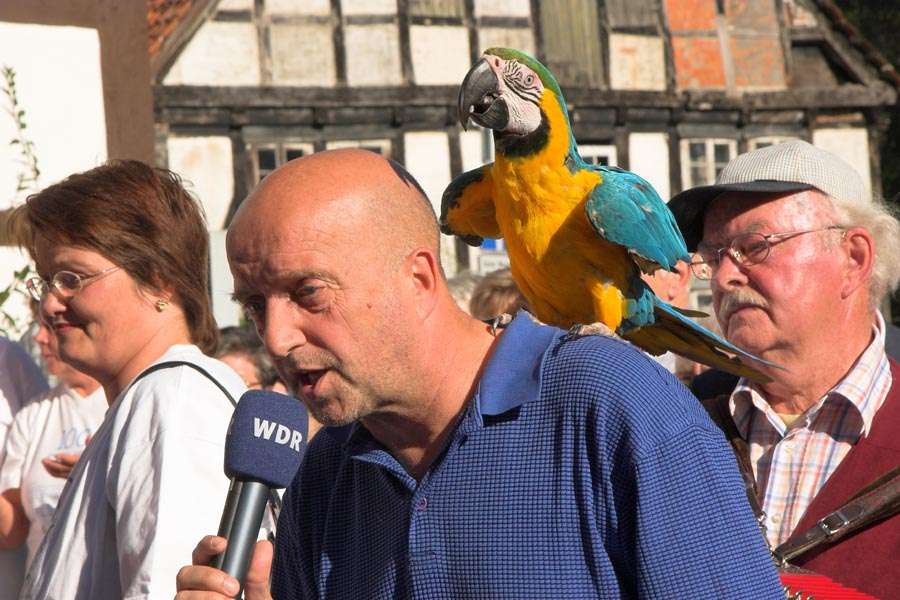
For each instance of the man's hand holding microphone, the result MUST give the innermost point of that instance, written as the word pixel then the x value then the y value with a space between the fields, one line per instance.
pixel 265 443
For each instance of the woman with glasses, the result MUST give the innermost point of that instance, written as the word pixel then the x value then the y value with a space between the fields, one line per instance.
pixel 45 439
pixel 121 255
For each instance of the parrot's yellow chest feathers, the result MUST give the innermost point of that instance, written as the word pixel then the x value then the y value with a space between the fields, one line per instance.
pixel 537 195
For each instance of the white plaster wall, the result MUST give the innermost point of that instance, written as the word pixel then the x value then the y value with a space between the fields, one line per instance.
pixel 519 38
pixel 440 55
pixel 59 85
pixel 503 8
pixel 225 310
pixel 303 54
pixel 298 7
pixel 428 160
pixel 369 7
pixel 205 164
pixel 373 54
pixel 218 54
pixel 648 156
pixel 852 145
pixel 637 62
pixel 477 148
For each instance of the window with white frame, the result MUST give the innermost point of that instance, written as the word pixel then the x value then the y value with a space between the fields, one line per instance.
pixel 268 156
pixel 703 159
pixel 599 154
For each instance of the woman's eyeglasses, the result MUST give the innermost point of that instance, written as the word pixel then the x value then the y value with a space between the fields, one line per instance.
pixel 65 283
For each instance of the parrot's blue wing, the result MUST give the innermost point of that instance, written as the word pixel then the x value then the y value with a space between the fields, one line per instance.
pixel 626 210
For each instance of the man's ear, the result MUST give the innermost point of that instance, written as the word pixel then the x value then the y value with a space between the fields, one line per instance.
pixel 424 272
pixel 860 252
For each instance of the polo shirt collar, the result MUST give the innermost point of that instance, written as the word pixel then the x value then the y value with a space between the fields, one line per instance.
pixel 512 376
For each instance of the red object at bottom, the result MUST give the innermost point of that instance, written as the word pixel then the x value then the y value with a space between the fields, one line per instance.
pixel 818 587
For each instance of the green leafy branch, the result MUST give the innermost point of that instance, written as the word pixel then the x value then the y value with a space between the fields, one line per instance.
pixel 28 176
pixel 7 321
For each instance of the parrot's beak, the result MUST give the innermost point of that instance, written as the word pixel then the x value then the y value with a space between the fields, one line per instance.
pixel 479 98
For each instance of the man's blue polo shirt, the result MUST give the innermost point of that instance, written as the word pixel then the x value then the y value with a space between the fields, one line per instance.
pixel 581 469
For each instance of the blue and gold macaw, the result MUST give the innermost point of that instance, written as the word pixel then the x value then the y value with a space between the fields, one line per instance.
pixel 578 236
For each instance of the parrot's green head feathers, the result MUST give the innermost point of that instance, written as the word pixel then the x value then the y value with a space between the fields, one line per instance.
pixel 506 91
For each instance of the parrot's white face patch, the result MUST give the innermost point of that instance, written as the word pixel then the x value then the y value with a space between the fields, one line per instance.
pixel 521 89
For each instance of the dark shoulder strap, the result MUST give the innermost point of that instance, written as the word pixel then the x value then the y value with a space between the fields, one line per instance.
pixel 274 500
pixel 717 408
pixel 183 363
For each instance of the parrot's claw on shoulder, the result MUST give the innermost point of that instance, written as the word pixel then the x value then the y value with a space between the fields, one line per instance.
pixel 578 330
pixel 499 322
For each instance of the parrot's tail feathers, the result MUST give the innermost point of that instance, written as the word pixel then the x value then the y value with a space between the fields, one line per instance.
pixel 687 312
pixel 676 333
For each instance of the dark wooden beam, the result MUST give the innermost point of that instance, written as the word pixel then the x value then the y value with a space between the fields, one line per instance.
pixel 284 98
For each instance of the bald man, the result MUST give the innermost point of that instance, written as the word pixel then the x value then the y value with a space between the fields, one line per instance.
pixel 458 461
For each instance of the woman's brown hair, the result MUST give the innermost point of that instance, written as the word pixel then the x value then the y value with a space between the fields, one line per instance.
pixel 142 219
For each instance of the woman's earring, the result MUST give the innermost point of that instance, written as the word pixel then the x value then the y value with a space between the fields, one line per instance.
pixel 161 305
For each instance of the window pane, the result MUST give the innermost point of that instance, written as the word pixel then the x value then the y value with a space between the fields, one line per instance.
pixel 698 176
pixel 266 159
pixel 292 153
pixel 722 153
pixel 697 151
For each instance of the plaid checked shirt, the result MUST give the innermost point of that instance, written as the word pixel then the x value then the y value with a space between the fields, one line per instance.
pixel 791 464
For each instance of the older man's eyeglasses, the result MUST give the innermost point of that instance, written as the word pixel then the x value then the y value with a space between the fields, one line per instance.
pixel 745 250
pixel 65 283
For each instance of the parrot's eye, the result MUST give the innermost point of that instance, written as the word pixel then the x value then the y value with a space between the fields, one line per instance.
pixel 529 80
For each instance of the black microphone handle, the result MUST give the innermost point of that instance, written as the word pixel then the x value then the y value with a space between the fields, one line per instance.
pixel 244 510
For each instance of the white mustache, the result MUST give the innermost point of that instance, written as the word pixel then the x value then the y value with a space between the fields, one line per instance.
pixel 740 298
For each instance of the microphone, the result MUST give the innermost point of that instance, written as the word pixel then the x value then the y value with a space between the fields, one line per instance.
pixel 265 443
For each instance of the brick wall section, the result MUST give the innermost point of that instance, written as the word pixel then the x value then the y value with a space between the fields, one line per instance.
pixel 695 44
pixel 754 48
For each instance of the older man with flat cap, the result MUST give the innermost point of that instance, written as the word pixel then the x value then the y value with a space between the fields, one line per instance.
pixel 799 258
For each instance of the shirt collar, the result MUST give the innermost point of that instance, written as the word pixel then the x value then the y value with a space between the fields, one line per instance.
pixel 512 375
pixel 857 387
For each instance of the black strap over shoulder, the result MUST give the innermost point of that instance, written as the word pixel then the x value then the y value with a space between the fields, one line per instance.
pixel 875 502
pixel 274 500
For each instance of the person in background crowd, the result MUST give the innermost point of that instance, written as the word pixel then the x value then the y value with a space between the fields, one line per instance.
pixel 20 381
pixel 495 295
pixel 44 443
pixel 460 461
pixel 461 287
pixel 241 349
pixel 674 287
pixel 799 258
pixel 121 253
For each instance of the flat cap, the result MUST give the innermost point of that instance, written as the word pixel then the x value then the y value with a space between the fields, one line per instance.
pixel 787 167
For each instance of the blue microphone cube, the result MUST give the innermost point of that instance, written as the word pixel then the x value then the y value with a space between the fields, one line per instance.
pixel 266 438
